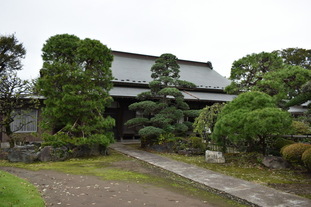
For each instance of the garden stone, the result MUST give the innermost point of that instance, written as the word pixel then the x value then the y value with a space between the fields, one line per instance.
pixel 49 153
pixel 23 154
pixel 183 152
pixel 214 157
pixel 45 154
pixel 275 162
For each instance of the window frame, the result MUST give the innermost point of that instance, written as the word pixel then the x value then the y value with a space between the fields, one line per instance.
pixel 21 115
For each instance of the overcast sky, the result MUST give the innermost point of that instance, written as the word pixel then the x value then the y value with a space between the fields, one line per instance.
pixel 220 31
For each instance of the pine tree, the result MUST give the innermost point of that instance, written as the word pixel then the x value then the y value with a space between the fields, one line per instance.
pixel 76 79
pixel 163 108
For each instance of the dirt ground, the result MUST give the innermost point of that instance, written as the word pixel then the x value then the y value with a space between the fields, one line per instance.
pixel 61 189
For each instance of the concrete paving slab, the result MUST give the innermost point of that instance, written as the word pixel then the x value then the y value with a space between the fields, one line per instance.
pixel 252 193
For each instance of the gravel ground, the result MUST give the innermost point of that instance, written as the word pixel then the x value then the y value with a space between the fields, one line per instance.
pixel 61 189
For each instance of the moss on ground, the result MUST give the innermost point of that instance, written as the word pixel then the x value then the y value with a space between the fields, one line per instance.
pixel 251 171
pixel 248 167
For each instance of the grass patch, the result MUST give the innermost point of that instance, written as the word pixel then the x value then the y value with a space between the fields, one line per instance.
pixel 18 192
pixel 246 168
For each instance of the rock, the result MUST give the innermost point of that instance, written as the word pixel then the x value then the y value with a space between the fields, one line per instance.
pixel 183 152
pixel 3 154
pixel 25 154
pixel 45 154
pixel 274 162
pixel 214 157
pixel 49 153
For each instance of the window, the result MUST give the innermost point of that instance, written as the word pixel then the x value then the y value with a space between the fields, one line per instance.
pixel 24 121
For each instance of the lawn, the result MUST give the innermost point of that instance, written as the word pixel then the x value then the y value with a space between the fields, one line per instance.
pixel 17 192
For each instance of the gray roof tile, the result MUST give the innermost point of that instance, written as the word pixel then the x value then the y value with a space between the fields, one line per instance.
pixel 135 68
pixel 132 92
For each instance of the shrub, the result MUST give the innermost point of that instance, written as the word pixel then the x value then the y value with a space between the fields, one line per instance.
pixel 293 152
pixel 149 135
pixel 306 158
pixel 300 127
pixel 279 143
pixel 197 142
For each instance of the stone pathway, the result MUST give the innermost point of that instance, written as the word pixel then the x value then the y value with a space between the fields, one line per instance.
pixel 251 193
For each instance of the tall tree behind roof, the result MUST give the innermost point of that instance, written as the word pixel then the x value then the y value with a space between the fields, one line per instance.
pixel 11 53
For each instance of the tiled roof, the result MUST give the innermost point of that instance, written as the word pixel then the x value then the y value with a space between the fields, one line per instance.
pixel 129 68
pixel 132 92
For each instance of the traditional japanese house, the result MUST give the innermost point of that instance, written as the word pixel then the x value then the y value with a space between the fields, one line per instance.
pixel 132 74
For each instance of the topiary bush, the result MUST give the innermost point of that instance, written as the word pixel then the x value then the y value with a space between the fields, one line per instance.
pixel 306 158
pixel 149 135
pixel 293 152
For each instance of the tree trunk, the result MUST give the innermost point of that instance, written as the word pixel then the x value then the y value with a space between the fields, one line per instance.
pixel 9 133
pixel 263 144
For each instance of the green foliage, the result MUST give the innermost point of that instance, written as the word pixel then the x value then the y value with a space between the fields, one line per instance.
pixel 197 142
pixel 180 128
pixel 192 113
pixel 136 122
pixel 306 158
pixel 146 107
pixel 170 92
pixel 279 143
pixel 293 153
pixel 163 107
pixel 303 96
pixel 249 101
pixel 267 121
pixel 247 71
pixel 165 66
pixel 144 95
pixel 184 84
pixel 12 88
pixel 250 119
pixel 285 83
pixel 192 145
pixel 296 56
pixel 11 54
pixel 76 79
pixel 150 132
pixel 166 137
pixel 301 128
pixel 149 135
pixel 282 74
pixel 18 192
pixel 207 118
pixel 62 139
